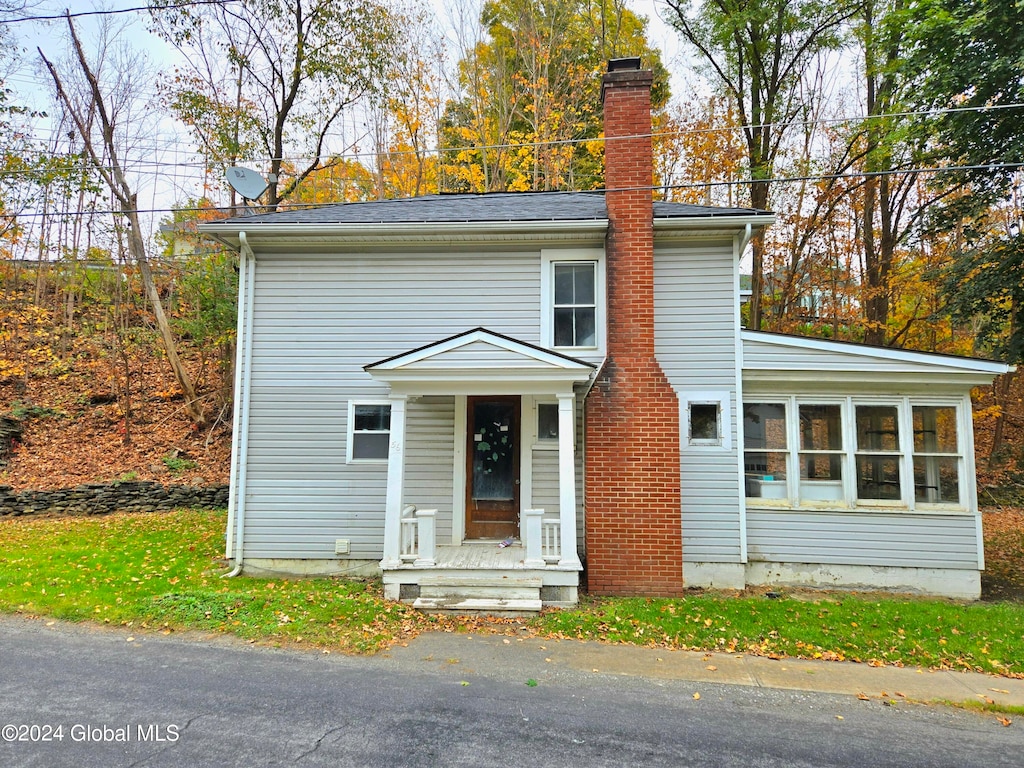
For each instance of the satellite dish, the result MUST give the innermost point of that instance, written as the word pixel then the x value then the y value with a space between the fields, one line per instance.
pixel 246 182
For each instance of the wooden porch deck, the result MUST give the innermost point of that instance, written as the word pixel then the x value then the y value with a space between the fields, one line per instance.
pixel 480 556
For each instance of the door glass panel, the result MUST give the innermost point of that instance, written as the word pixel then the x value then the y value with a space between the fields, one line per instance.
pixel 493 452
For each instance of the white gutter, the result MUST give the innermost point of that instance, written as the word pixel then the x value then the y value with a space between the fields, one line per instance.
pixel 396 230
pixel 240 419
pixel 722 222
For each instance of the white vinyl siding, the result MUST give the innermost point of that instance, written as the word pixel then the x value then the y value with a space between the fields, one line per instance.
pixel 862 538
pixel 429 453
pixel 545 478
pixel 318 320
pixel 695 343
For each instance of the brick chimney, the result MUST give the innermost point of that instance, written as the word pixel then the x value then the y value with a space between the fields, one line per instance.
pixel 633 526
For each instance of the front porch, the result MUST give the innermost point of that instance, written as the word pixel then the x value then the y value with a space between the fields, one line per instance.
pixel 472 403
pixel 482 575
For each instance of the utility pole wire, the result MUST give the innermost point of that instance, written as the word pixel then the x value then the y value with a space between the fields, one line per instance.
pixel 602 190
pixel 111 12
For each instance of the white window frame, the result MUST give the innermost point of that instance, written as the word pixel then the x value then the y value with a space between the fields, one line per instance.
pixel 905 419
pixel 722 400
pixel 543 443
pixel 786 453
pixel 350 432
pixel 549 258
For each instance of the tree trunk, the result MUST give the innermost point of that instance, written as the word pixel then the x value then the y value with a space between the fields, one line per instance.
pixel 111 171
pixel 137 249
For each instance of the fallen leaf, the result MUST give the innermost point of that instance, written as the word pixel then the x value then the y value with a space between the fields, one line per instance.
pixel 863 697
pixel 696 696
pixel 839 717
pixel 711 668
pixel 999 690
pixel 1004 721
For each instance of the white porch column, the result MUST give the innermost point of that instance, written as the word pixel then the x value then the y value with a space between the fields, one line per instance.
pixel 396 482
pixel 567 479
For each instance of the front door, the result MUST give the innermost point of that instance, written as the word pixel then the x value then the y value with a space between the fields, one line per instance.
pixel 492 471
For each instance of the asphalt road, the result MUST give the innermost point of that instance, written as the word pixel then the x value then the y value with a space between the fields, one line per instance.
pixel 168 701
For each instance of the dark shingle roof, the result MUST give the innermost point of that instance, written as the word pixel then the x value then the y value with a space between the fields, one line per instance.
pixel 492 207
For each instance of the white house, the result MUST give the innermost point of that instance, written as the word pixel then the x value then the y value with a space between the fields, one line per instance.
pixel 421 381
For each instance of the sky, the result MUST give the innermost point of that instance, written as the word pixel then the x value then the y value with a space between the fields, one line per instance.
pixel 172 174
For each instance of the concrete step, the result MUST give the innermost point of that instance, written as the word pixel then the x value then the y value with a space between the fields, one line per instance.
pixel 486 588
pixel 471 605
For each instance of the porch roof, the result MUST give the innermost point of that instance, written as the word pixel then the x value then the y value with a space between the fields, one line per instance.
pixel 480 361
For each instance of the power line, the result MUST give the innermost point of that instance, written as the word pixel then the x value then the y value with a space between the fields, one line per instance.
pixel 652 188
pixel 113 11
pixel 359 156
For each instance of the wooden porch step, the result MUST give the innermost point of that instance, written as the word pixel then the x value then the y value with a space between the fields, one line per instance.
pixel 485 588
pixel 489 606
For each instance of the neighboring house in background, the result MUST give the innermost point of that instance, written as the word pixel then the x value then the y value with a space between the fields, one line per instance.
pixel 420 381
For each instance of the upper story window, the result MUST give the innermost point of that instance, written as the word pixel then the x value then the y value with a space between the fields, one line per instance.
pixel 573 299
pixel 868 452
pixel 575 305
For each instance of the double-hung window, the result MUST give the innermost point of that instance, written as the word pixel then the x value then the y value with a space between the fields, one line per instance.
pixel 936 455
pixel 369 431
pixel 765 450
pixel 575 304
pixel 821 453
pixel 878 453
pixel 573 297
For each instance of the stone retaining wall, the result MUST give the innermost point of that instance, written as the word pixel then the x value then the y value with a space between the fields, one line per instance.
pixel 102 499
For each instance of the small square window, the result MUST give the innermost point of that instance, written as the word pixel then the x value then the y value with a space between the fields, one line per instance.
pixel 705 428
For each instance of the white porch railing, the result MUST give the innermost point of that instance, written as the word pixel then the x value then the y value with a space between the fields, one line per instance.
pixel 409 539
pixel 418 539
pixel 543 539
pixel 551 540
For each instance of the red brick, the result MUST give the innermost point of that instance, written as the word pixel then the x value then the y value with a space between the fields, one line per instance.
pixel 634 528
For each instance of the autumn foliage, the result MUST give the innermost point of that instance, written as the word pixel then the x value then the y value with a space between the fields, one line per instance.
pixel 82 370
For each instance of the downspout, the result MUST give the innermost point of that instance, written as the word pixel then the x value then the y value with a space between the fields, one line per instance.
pixel 743 241
pixel 243 378
pixel 748 232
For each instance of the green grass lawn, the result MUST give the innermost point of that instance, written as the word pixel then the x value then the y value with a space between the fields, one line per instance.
pixel 162 572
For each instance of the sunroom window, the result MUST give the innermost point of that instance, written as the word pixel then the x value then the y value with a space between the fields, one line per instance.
pixel 936 455
pixel 821 453
pixel 878 453
pixel 765 453
pixel 860 451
